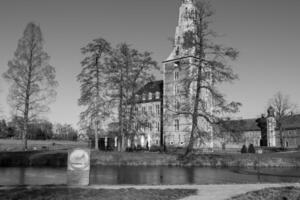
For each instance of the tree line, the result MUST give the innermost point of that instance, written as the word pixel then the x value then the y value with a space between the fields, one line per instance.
pixel 37 130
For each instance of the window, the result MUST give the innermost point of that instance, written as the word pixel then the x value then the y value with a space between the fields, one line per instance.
pixel 176 125
pixel 156 142
pixel 144 97
pixel 136 109
pixel 150 95
pixel 178 40
pixel 137 97
pixel 150 126
pixel 176 75
pixel 157 94
pixel 177 105
pixel 176 90
pixel 157 126
pixel 177 51
pixel 144 110
pixel 150 110
pixel 157 108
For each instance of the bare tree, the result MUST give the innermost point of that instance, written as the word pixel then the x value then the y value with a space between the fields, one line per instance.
pixel 127 70
pixel 93 84
pixel 283 109
pixel 204 103
pixel 32 78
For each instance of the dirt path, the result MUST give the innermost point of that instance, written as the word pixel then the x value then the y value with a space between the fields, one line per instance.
pixel 209 192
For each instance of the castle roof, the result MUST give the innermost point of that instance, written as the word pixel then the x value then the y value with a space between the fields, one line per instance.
pixel 153 86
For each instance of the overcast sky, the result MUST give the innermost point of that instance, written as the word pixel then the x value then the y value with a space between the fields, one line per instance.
pixel 266 32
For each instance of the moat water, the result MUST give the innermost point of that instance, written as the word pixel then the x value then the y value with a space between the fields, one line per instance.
pixel 113 175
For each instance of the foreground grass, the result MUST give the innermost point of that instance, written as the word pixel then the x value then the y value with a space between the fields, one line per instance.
pixel 93 194
pixel 284 193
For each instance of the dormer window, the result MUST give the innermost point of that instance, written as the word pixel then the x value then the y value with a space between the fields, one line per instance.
pixel 150 95
pixel 144 97
pixel 137 97
pixel 157 94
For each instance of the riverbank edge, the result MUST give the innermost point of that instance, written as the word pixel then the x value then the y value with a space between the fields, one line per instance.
pixel 204 192
pixel 59 159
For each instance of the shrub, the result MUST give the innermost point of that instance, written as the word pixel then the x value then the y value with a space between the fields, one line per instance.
pixel 251 148
pixel 155 148
pixel 244 149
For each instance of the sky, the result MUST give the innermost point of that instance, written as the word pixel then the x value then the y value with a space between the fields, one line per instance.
pixel 266 33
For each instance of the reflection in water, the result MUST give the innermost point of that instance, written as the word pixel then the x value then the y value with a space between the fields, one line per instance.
pixel 188 175
pixel 32 176
pixel 112 175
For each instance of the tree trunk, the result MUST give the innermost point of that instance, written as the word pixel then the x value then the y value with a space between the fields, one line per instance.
pixel 121 114
pixel 281 137
pixel 195 111
pixel 98 96
pixel 198 91
pixel 96 135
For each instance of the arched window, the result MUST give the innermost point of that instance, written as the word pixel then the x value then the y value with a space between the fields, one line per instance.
pixel 177 51
pixel 176 75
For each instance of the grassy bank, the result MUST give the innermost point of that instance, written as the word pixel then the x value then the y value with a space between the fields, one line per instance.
pixel 284 193
pixel 288 159
pixel 58 158
pixel 93 194
pixel 16 145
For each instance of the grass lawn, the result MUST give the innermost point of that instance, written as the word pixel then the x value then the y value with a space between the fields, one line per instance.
pixel 16 145
pixel 45 193
pixel 284 193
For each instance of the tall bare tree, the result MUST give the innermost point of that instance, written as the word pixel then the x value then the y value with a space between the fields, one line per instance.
pixel 140 72
pixel 283 110
pixel 127 70
pixel 209 70
pixel 32 78
pixel 93 84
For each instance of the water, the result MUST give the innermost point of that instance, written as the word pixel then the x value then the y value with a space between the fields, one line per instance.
pixel 113 175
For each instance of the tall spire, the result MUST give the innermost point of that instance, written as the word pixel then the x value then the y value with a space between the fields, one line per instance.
pixel 187 14
pixel 187 1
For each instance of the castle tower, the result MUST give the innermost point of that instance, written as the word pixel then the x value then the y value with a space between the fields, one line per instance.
pixel 178 66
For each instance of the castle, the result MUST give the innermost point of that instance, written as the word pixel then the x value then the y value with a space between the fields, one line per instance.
pixel 160 102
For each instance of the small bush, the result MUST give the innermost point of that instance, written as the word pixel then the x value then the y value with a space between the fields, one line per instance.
pixel 251 148
pixel 244 149
pixel 155 148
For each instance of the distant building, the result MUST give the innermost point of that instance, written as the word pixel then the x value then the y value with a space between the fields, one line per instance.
pixel 250 133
